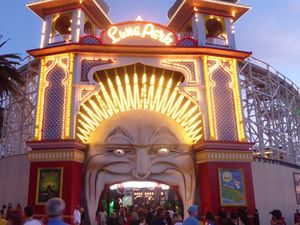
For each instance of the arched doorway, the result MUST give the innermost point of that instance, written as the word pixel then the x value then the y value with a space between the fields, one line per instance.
pixel 140 196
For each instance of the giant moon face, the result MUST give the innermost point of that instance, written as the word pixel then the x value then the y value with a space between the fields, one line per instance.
pixel 139 145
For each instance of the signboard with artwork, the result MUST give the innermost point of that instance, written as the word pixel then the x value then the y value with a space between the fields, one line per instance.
pixel 139 33
pixel 232 187
pixel 49 184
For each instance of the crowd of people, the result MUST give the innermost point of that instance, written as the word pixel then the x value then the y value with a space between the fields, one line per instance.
pixel 139 215
pixel 10 215
pixel 134 215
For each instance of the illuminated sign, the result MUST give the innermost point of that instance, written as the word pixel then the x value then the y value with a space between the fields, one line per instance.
pixel 139 33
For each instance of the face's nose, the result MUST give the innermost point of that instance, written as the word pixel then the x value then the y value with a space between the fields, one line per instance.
pixel 142 163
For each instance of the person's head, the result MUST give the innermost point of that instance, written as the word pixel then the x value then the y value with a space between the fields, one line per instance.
pixel 297 210
pixel 276 214
pixel 15 217
pixel 193 211
pixel 78 207
pixel 81 210
pixel 167 213
pixel 114 215
pixel 160 211
pixel 177 218
pixel 55 207
pixel 4 207
pixel 28 211
pixel 134 216
pixel 234 217
pixel 210 216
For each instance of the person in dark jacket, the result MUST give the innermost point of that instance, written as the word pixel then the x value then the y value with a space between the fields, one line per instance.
pixel 234 219
pixel 113 220
pixel 256 218
pixel 159 217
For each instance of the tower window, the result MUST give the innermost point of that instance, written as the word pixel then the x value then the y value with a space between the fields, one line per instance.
pixel 215 31
pixel 61 28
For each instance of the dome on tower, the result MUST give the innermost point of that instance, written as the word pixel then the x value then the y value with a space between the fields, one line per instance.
pixel 177 3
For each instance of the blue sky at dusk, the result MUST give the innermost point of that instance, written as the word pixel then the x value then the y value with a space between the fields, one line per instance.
pixel 270 30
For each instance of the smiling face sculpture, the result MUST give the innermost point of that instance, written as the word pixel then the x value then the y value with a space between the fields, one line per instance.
pixel 139 145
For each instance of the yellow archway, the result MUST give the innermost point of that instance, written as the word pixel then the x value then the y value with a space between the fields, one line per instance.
pixel 139 87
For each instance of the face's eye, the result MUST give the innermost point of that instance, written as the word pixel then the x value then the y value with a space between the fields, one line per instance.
pixel 163 151
pixel 119 152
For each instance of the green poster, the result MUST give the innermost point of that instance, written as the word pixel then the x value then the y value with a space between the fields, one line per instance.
pixel 49 184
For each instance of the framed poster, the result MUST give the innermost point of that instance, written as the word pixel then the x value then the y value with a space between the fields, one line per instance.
pixel 297 186
pixel 232 187
pixel 49 184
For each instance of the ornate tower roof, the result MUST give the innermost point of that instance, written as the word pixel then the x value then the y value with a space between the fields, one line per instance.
pixel 96 9
pixel 183 9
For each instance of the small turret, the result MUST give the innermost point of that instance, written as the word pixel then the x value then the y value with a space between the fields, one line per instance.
pixel 211 22
pixel 65 21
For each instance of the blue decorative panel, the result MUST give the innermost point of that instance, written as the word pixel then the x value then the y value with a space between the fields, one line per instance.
pixel 224 109
pixel 54 105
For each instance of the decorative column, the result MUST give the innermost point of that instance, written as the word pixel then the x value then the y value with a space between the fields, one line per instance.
pixel 224 159
pixel 56 168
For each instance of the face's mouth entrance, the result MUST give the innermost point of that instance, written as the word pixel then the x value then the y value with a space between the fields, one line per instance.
pixel 141 195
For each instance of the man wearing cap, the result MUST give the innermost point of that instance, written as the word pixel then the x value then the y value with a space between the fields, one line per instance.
pixel 55 208
pixel 192 219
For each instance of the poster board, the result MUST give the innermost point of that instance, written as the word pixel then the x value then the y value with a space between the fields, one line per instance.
pixel 49 184
pixel 232 187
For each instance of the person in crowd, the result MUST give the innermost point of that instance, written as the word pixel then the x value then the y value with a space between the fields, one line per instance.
pixel 103 216
pixel 177 219
pixel 113 220
pixel 171 212
pixel 296 215
pixel 243 215
pixel 82 216
pixel 159 217
pixel 297 220
pixel 4 209
pixel 192 219
pixel 210 219
pixel 277 218
pixel 167 217
pixel 29 220
pixel 122 217
pixel 77 215
pixel 135 220
pixel 256 220
pixel 234 219
pixel 150 215
pixel 15 217
pixel 3 221
pixel 19 207
pixel 55 208
pixel 223 216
